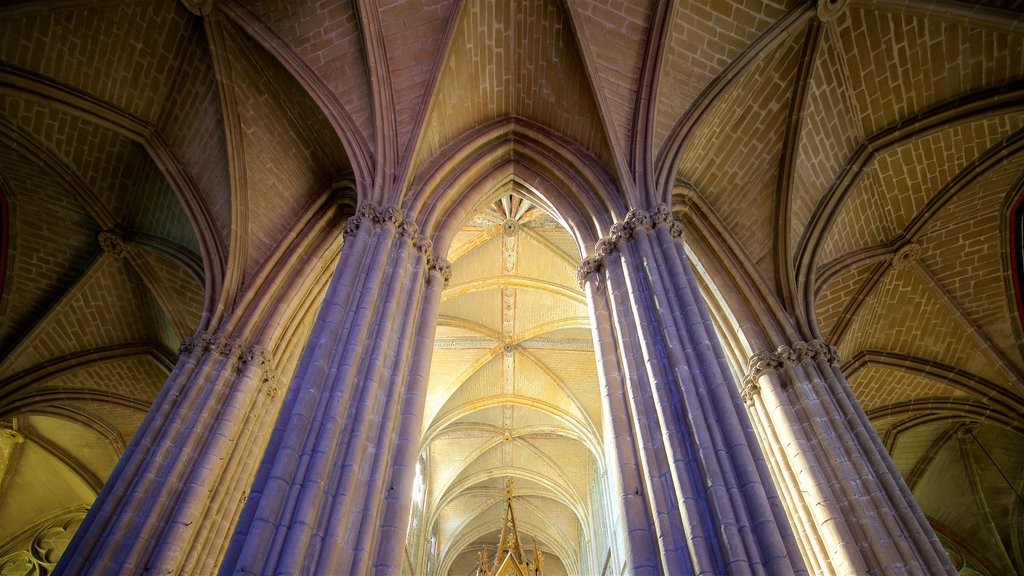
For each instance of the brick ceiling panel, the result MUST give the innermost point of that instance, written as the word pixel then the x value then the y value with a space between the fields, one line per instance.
pixel 483 261
pixel 478 380
pixel 897 69
pixel 1003 447
pixel 75 438
pixel 861 222
pixel 193 127
pixel 107 162
pixel 488 463
pixel 703 37
pixel 615 31
pixel 460 453
pixel 486 305
pixel 738 176
pixel 539 384
pixel 413 34
pixel 54 243
pixel 513 58
pixel 538 307
pixel 125 53
pixel 919 442
pixel 538 260
pixel 832 300
pixel 483 385
pixel 139 377
pixel 125 419
pixel 551 83
pixel 831 132
pixel 963 246
pixel 330 42
pixel 154 209
pixel 106 307
pixel 570 460
pixel 563 241
pixel 877 386
pixel 468 238
pixel 907 315
pixel 291 153
pixel 912 174
pixel 184 292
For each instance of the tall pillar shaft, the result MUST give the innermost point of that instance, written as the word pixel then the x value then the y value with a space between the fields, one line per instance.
pixel 162 513
pixel 332 475
pixel 710 503
pixel 854 513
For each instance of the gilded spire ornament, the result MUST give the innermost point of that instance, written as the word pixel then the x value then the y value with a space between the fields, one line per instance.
pixel 510 560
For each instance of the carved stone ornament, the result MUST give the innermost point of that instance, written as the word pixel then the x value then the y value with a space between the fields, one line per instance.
pixel 19 563
pixel 782 357
pixel 636 219
pixel 38 555
pixel 243 356
pixel 829 10
pixel 407 229
pixel 113 244
pixel 906 256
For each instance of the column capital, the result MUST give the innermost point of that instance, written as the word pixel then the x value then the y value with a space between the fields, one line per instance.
pixel 392 217
pixel 241 354
pixel 788 355
pixel 636 219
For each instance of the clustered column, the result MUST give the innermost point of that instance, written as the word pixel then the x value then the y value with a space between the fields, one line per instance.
pixel 854 513
pixel 160 512
pixel 334 484
pixel 697 495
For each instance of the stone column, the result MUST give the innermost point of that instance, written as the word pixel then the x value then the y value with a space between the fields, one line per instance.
pixel 853 512
pixel 176 486
pixel 332 476
pixel 711 507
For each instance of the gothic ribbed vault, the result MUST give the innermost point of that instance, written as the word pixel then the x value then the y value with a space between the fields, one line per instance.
pixel 846 170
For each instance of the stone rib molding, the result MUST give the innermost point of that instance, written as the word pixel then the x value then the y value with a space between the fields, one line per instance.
pixel 636 219
pixel 850 508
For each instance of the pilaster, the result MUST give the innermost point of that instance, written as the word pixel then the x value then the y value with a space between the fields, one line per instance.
pixel 330 496
pixel 852 511
pixel 697 494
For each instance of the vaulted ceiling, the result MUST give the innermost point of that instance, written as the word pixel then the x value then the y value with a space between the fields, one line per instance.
pixel 854 162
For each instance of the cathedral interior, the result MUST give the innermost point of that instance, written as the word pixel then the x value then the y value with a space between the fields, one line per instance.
pixel 173 168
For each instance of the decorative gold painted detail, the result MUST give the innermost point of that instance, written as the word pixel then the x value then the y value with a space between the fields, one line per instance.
pixel 392 217
pixel 509 559
pixel 636 219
